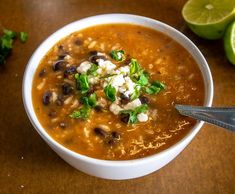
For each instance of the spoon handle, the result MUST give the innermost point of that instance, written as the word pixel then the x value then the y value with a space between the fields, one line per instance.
pixel 222 117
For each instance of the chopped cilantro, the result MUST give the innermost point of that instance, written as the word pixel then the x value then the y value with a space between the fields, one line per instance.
pixel 93 70
pixel 82 82
pixel 137 74
pixel 134 67
pixel 136 93
pixel 23 36
pixel 110 92
pixel 82 113
pixel 9 34
pixel 117 55
pixel 155 87
pixel 133 113
pixel 6 41
pixel 90 101
pixel 143 78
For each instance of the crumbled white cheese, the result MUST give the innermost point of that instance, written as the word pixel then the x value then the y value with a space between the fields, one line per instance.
pixel 93 79
pixel 117 81
pixel 115 108
pixel 142 117
pixel 83 67
pixel 128 87
pixel 105 67
pixel 133 104
pixel 125 70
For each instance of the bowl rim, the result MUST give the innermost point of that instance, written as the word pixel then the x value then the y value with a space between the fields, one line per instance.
pixel 54 144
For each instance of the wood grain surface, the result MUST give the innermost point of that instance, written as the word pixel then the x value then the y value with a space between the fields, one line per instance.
pixel 28 165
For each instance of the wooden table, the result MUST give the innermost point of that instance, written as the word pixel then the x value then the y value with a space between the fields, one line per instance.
pixel 28 165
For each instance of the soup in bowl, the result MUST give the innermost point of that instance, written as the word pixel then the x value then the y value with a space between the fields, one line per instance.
pixel 101 92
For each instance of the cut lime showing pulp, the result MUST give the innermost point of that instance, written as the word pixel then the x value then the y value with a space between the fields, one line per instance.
pixel 229 43
pixel 209 18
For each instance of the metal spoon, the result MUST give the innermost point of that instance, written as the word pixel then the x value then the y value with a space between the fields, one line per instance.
pixel 222 117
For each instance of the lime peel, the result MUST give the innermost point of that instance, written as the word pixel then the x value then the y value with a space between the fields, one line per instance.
pixel 229 42
pixel 209 18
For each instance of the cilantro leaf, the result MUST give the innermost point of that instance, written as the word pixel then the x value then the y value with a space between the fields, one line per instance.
pixel 9 34
pixel 93 70
pixel 117 55
pixel 155 87
pixel 6 44
pixel 90 101
pixel 82 113
pixel 137 74
pixel 134 67
pixel 110 92
pixel 136 93
pixel 133 113
pixel 82 82
pixel 143 78
pixel 23 36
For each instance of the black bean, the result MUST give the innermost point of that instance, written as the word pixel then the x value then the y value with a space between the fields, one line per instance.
pixel 91 53
pixel 52 113
pixel 124 99
pixel 42 73
pixel 63 125
pixel 98 108
pixel 67 89
pixel 100 132
pixel 61 52
pixel 70 70
pixel 110 141
pixel 46 97
pixel 124 117
pixel 62 56
pixel 93 58
pixel 144 100
pixel 60 48
pixel 115 135
pixel 58 65
pixel 78 42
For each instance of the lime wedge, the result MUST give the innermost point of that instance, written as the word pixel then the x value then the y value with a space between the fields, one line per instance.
pixel 229 43
pixel 209 18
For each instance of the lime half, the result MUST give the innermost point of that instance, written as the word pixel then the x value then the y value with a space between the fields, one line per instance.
pixel 209 18
pixel 229 43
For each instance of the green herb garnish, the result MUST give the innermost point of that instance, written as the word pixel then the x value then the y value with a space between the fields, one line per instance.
pixel 134 67
pixel 93 70
pixel 137 74
pixel 23 36
pixel 110 92
pixel 143 78
pixel 6 41
pixel 117 55
pixel 136 93
pixel 82 113
pixel 155 87
pixel 82 82
pixel 90 101
pixel 133 113
pixel 6 44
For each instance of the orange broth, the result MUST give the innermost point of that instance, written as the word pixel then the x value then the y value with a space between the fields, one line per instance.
pixel 163 58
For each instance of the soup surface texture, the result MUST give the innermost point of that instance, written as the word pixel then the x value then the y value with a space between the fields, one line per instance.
pixel 109 91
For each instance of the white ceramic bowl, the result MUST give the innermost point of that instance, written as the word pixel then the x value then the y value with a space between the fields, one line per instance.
pixel 104 168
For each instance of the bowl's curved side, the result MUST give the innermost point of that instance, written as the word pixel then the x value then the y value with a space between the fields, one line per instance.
pixel 103 168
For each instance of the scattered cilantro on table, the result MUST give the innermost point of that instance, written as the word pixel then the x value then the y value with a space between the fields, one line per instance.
pixel 6 43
